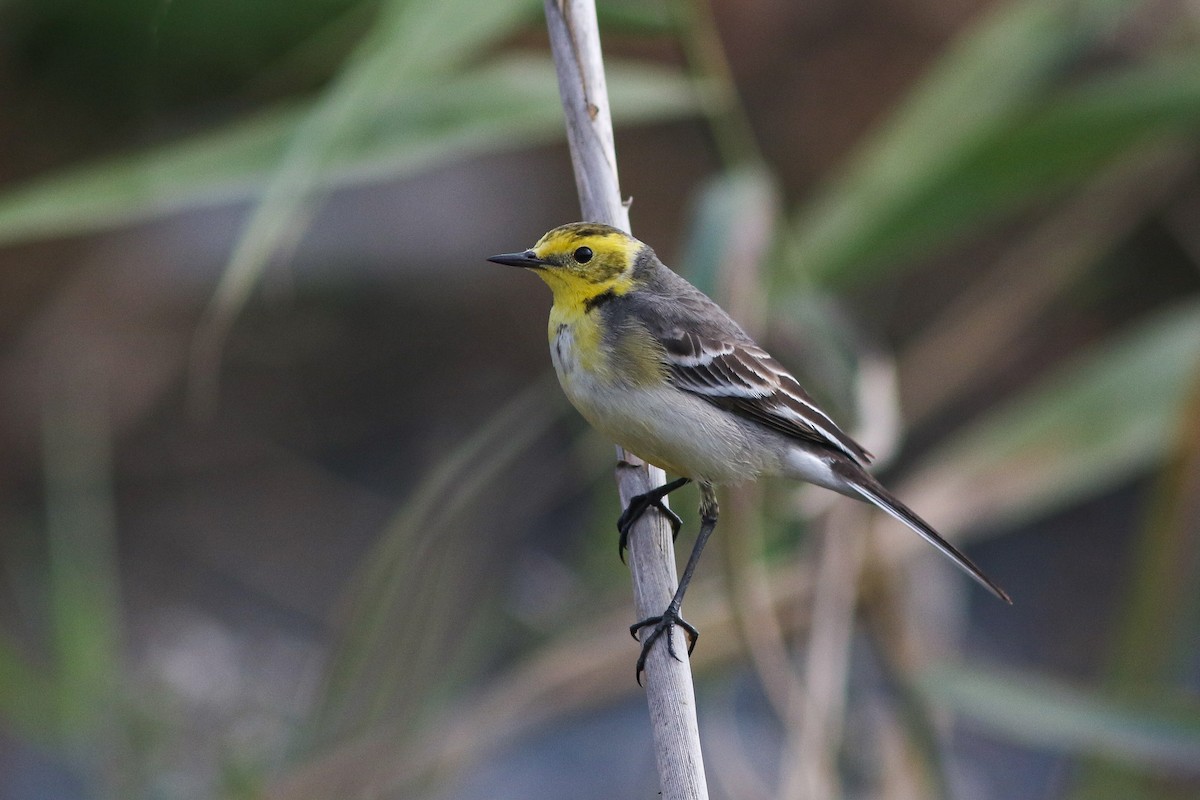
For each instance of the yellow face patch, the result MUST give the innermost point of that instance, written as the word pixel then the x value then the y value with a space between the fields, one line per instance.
pixel 611 248
pixel 587 260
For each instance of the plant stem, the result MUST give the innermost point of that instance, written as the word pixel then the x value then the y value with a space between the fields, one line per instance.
pixel 575 45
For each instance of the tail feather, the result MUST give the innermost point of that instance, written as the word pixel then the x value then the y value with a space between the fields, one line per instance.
pixel 872 491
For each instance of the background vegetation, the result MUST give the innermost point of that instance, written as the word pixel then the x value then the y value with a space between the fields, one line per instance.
pixel 291 508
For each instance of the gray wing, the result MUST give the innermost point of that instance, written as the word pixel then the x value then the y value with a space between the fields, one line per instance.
pixel 710 356
pixel 743 378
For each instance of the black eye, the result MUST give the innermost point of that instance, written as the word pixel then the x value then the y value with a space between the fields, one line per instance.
pixel 583 255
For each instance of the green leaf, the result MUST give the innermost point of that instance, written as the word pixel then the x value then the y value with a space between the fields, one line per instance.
pixel 81 530
pixel 989 77
pixel 1161 731
pixel 415 38
pixel 27 695
pixel 404 638
pixel 637 16
pixel 1085 428
pixel 204 170
pixel 511 103
pixel 394 55
pixel 1038 154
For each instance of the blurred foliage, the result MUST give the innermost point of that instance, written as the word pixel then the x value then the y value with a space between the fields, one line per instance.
pixel 1086 428
pixel 394 106
pixel 508 103
pixel 993 127
pixel 136 57
pixel 1158 732
pixel 384 669
pixel 1026 111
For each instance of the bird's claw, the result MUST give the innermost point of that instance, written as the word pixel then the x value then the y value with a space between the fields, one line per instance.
pixel 638 506
pixel 660 624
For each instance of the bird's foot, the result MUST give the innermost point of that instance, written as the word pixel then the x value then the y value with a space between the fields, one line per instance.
pixel 664 623
pixel 639 504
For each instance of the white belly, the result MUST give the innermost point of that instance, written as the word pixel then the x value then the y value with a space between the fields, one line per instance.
pixel 679 432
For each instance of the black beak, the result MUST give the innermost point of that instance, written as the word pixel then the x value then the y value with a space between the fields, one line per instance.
pixel 527 259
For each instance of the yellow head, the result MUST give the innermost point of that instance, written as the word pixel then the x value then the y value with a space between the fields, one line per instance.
pixel 580 261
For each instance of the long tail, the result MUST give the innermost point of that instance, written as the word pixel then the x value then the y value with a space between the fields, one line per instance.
pixel 872 491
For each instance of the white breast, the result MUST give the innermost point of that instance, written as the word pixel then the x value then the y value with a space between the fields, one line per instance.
pixel 562 352
pixel 679 432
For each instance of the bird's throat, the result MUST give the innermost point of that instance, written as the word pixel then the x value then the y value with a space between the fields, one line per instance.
pixel 576 296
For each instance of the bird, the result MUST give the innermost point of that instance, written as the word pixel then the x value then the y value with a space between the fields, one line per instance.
pixel 658 367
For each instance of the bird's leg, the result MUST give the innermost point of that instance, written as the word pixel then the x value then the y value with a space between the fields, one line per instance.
pixel 670 617
pixel 638 505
